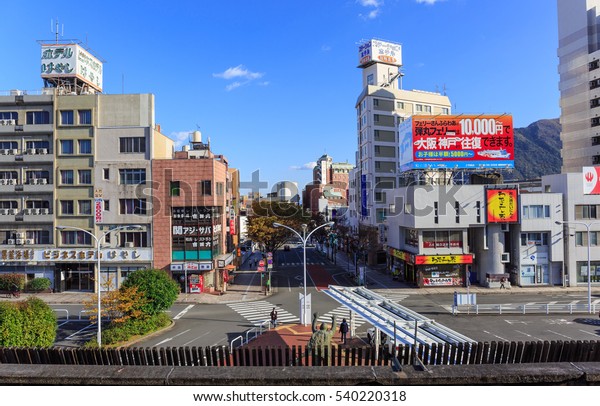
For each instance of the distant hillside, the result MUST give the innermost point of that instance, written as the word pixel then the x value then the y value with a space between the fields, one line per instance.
pixel 537 150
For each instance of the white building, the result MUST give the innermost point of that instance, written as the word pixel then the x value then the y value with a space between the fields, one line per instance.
pixel 381 106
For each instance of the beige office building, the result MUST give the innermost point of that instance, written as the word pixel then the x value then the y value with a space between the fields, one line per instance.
pixel 579 69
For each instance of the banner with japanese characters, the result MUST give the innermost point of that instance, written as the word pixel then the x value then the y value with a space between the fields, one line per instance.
pixel 71 60
pixel 437 142
pixel 502 205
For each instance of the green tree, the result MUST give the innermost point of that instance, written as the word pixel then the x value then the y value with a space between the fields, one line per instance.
pixel 156 287
pixel 264 213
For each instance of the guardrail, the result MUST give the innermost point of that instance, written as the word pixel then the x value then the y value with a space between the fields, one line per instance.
pixel 254 331
pixel 62 310
pixel 547 308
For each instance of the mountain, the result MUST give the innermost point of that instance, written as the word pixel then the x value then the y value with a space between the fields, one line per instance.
pixel 537 150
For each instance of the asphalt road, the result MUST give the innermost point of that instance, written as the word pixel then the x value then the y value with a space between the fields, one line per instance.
pixel 220 324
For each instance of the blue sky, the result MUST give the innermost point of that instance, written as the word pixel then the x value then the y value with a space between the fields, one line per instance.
pixel 274 83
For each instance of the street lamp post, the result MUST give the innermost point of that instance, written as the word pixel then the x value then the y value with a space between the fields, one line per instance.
pixel 589 268
pixel 304 239
pixel 98 240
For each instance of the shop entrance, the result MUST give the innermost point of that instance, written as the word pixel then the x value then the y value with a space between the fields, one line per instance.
pixel 79 277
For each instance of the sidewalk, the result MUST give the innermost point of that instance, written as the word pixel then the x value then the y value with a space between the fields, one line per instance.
pixel 377 279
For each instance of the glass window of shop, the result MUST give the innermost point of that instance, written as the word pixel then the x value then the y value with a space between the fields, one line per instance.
pixel 582 271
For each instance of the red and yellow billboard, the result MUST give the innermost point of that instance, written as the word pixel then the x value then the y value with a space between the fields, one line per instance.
pixel 443 259
pixel 502 205
pixel 464 141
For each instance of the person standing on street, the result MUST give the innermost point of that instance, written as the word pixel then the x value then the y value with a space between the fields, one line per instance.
pixel 274 317
pixel 343 330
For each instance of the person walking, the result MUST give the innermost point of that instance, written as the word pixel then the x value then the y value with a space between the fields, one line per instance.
pixel 502 282
pixel 274 317
pixel 343 331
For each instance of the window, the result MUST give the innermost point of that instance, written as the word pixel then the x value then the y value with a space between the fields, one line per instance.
pixel 536 211
pixel 370 79
pixel 132 206
pixel 399 105
pixel 39 236
pixel 206 188
pixel 85 176
pixel 132 176
pixel 445 110
pixel 8 175
pixel 85 207
pixel 38 117
pixel 135 239
pixel 9 115
pixel 105 174
pixel 442 239
pixel 37 204
pixel 586 211
pixel 85 117
pixel 534 239
pixel 132 145
pixel 427 109
pixel 66 207
pixel 66 147
pixel 85 146
pixel 419 108
pixel 8 204
pixel 37 145
pixel 376 118
pixel 106 205
pixel 8 145
pixel 175 191
pixel 75 238
pixel 66 177
pixel 581 238
pixel 66 117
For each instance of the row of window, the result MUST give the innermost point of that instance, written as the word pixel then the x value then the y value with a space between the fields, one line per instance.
pixel 29 204
pixel 204 188
pixel 84 207
pixel 67 117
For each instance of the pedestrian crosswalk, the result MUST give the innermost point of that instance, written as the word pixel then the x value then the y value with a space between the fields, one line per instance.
pixel 258 312
pixel 300 263
pixel 340 312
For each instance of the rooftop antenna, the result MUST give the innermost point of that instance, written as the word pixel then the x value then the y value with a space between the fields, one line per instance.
pixel 56 30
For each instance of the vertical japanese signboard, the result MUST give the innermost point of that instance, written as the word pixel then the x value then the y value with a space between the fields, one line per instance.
pixel 444 141
pixel 502 205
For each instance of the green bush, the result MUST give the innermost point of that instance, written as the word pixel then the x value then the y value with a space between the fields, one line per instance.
pixel 120 332
pixel 9 280
pixel 29 323
pixel 39 284
pixel 157 286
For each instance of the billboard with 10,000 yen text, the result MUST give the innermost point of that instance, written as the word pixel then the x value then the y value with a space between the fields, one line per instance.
pixel 456 141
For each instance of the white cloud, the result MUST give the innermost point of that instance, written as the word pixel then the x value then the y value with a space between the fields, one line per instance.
pixel 370 3
pixel 239 71
pixel 325 48
pixel 181 138
pixel 233 85
pixel 306 167
pixel 430 2
pixel 372 14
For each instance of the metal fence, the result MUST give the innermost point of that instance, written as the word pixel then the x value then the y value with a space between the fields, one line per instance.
pixel 436 354
pixel 534 308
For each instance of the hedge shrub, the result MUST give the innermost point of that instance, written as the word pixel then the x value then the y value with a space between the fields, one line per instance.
pixel 39 284
pixel 120 332
pixel 9 280
pixel 28 323
pixel 157 286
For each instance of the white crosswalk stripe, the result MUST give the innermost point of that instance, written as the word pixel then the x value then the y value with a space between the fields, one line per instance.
pixel 258 312
pixel 340 313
